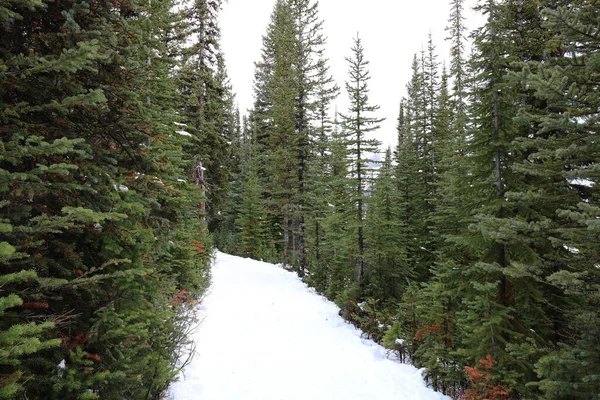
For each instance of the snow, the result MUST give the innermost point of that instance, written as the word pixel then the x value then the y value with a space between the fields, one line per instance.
pixel 265 335
pixel 573 250
pixel 183 133
pixel 179 124
pixel 581 182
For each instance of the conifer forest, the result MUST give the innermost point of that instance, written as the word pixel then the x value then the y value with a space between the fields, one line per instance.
pixel 470 249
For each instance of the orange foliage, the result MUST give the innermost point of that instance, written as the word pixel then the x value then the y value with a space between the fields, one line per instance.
pixel 80 339
pixel 482 387
pixel 424 331
pixel 180 297
pixel 421 333
pixel 183 297
pixel 199 247
pixel 93 356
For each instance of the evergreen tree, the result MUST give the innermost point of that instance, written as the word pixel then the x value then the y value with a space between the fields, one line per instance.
pixel 385 236
pixel 458 67
pixel 251 214
pixel 339 241
pixel 356 125
pixel 431 87
pixel 502 315
pixel 207 106
pixel 290 86
pixel 91 201
pixel 319 174
pixel 414 173
pixel 562 154
pixel 282 153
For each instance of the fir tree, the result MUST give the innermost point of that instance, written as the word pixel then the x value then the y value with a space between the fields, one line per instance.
pixel 290 86
pixel 356 125
pixel 562 155
pixel 90 191
pixel 508 237
pixel 414 167
pixel 207 109
pixel 251 215
pixel 339 241
pixel 319 174
pixel 388 271
pixel 458 67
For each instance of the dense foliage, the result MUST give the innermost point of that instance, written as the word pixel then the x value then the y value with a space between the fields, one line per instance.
pixel 104 248
pixel 472 249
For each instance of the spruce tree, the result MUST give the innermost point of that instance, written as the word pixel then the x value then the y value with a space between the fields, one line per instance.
pixel 458 68
pixel 251 215
pixel 339 241
pixel 388 272
pixel 356 125
pixel 92 201
pixel 503 314
pixel 319 175
pixel 562 153
pixel 414 173
pixel 290 83
pixel 207 106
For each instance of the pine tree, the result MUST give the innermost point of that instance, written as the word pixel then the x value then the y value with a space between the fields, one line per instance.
pixel 388 271
pixel 431 88
pixel 356 125
pixel 289 88
pixel 282 154
pixel 508 240
pixel 441 294
pixel 91 201
pixel 414 173
pixel 251 215
pixel 458 67
pixel 319 174
pixel 339 241
pixel 207 110
pixel 562 153
pixel 226 234
pixel 310 67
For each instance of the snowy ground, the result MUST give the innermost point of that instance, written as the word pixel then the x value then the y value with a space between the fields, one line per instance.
pixel 266 336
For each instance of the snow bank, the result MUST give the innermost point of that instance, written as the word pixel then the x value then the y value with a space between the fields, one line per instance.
pixel 266 336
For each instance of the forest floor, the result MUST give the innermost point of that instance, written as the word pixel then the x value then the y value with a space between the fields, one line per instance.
pixel 264 335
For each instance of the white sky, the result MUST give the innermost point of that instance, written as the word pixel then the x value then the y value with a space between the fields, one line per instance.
pixel 391 31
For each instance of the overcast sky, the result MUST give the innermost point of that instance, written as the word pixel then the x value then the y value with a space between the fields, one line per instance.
pixel 391 31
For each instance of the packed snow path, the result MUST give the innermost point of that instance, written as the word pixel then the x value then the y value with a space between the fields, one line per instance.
pixel 266 336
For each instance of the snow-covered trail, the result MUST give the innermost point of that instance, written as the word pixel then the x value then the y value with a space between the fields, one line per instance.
pixel 266 336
